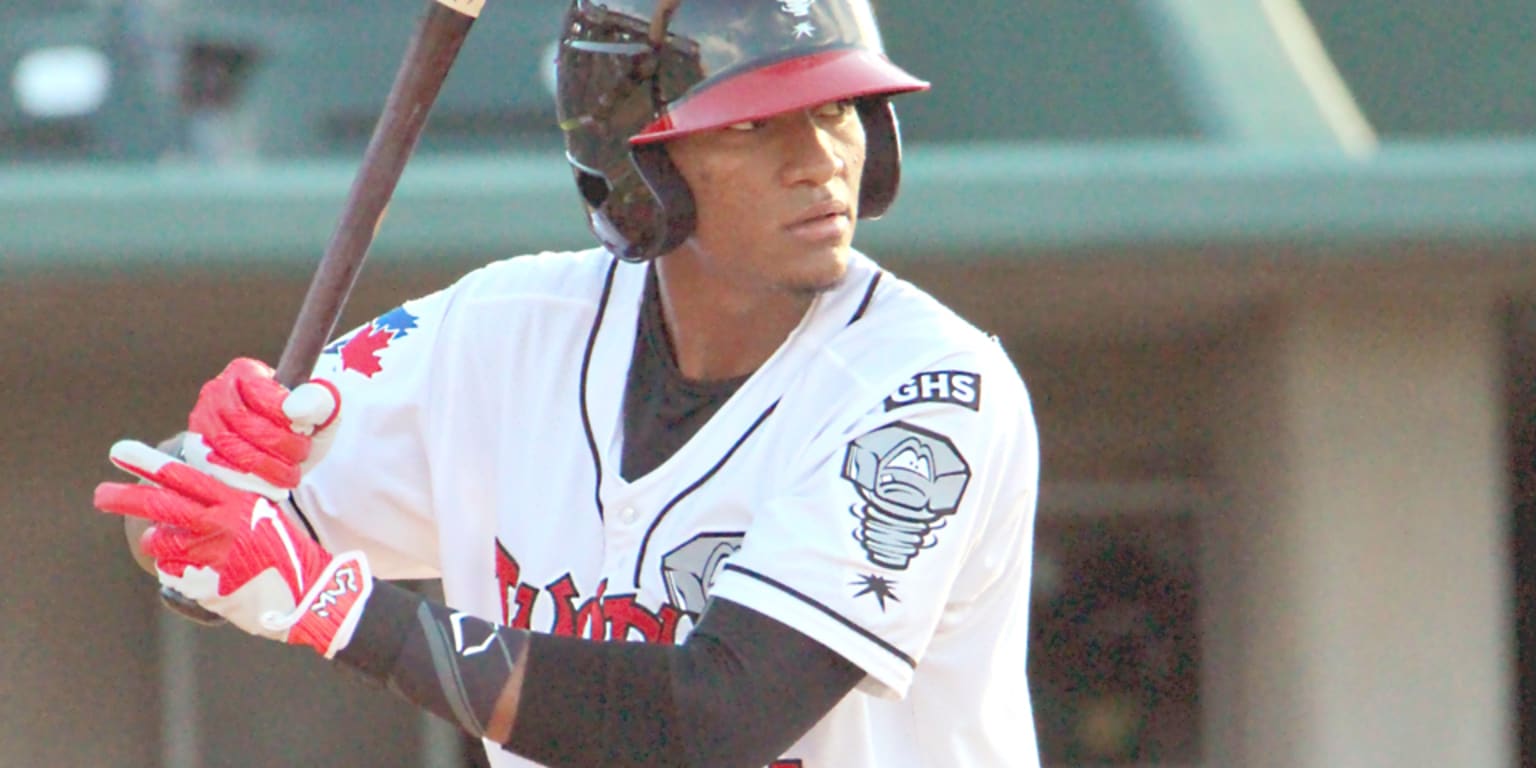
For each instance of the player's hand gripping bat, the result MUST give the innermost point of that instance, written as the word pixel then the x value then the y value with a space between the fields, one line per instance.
pixel 428 58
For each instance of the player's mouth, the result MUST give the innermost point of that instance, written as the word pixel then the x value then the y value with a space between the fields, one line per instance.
pixel 827 220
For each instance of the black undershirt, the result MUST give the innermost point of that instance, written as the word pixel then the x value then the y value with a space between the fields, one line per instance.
pixel 662 409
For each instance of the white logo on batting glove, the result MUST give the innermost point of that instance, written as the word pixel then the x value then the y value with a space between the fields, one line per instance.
pixel 264 511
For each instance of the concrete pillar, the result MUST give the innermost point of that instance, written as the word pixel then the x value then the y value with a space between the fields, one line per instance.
pixel 1358 576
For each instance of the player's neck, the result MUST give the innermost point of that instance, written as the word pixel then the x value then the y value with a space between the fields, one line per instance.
pixel 718 332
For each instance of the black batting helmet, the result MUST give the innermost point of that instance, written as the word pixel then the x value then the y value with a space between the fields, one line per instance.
pixel 633 73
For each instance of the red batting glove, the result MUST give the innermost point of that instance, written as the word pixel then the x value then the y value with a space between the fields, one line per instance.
pixel 237 554
pixel 252 433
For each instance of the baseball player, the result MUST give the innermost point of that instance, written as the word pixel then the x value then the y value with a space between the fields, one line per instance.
pixel 719 492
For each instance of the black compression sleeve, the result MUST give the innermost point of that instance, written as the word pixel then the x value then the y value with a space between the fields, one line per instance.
pixel 739 692
pixel 450 663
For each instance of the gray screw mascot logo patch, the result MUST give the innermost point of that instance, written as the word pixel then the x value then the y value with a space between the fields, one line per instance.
pixel 910 479
pixel 690 569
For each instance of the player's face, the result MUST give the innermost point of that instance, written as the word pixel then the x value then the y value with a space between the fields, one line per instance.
pixel 776 198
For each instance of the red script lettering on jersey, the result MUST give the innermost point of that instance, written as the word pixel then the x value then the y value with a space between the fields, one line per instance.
pixel 599 617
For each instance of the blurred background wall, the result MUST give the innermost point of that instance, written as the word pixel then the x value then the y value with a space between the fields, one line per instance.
pixel 1267 267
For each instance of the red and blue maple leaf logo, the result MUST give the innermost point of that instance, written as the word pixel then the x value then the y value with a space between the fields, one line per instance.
pixel 360 351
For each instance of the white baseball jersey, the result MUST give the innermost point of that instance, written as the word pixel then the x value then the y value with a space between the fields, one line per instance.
pixel 872 485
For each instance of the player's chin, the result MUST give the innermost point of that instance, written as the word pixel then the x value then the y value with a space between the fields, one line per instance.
pixel 818 271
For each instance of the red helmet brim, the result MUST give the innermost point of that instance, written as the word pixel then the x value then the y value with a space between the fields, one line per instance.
pixel 783 86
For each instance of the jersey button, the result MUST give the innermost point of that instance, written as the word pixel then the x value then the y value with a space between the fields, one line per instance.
pixel 628 515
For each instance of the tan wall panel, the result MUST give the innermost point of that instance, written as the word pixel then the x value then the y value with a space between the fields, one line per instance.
pixel 1397 431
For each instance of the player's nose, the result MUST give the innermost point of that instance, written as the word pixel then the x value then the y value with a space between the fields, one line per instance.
pixel 814 153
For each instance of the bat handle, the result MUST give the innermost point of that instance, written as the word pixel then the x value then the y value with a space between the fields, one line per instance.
pixel 188 608
pixel 185 606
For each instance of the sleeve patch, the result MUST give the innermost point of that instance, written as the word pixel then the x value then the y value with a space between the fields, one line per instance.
pixel 908 480
pixel 360 351
pixel 962 388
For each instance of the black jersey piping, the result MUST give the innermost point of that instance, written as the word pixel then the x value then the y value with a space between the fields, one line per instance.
pixel 869 295
pixel 646 541
pixel 818 605
pixel 586 365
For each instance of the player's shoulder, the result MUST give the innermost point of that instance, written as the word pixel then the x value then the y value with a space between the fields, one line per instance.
pixel 904 326
pixel 905 348
pixel 900 308
pixel 561 276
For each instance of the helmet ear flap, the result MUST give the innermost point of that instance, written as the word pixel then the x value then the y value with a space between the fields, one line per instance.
pixel 676 211
pixel 882 157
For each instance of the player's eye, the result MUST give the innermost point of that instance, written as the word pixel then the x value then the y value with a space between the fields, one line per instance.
pixel 745 125
pixel 833 109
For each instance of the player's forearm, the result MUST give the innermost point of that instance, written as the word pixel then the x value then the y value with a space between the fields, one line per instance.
pixel 739 692
pixel 470 672
pixel 463 669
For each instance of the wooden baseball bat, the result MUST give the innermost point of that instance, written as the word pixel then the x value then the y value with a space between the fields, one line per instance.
pixel 430 55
